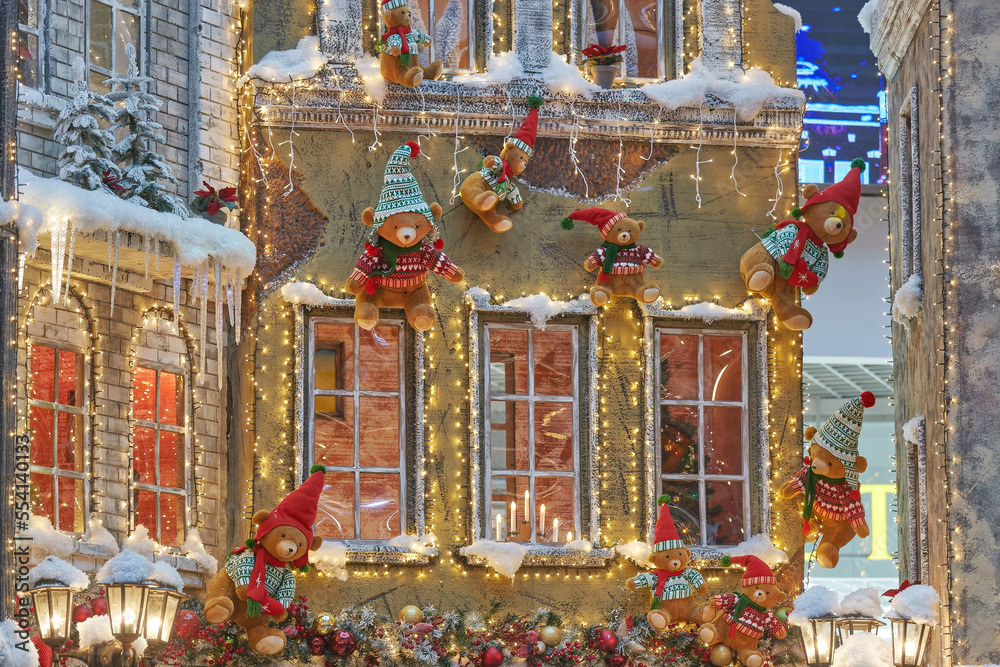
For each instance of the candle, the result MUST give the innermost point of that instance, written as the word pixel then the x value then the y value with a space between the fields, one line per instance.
pixel 527 504
pixel 498 526
pixel 513 515
pixel 569 536
pixel 555 530
pixel 542 522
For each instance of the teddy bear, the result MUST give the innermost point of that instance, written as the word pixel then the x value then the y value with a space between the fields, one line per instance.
pixel 793 253
pixel 392 270
pixel 620 260
pixel 738 619
pixel 256 583
pixel 400 45
pixel 494 182
pixel 829 481
pixel 673 584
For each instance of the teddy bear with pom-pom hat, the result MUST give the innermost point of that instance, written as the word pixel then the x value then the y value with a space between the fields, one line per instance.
pixel 257 582
pixel 795 254
pixel 829 482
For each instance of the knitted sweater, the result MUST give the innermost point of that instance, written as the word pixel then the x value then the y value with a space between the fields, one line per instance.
pixel 414 38
pixel 504 190
pixel 680 585
pixel 411 267
pixel 628 261
pixel 778 242
pixel 751 622
pixel 833 501
pixel 279 581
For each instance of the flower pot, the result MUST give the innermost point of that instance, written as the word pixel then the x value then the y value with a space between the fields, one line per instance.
pixel 220 217
pixel 604 75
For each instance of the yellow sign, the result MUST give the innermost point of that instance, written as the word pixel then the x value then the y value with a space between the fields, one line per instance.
pixel 879 519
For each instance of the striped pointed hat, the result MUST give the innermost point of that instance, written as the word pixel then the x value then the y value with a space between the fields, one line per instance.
pixel 524 139
pixel 665 534
pixel 757 571
pixel 839 435
pixel 400 192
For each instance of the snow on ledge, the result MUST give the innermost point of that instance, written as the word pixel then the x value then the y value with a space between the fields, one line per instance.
pixel 303 62
pixel 918 603
pixel 759 545
pixel 637 552
pixel 866 17
pixel 909 297
pixel 194 240
pixel 540 308
pixel 788 11
pixel 308 294
pixel 331 559
pixel 707 311
pixel 414 544
pixel 504 557
pixel 911 430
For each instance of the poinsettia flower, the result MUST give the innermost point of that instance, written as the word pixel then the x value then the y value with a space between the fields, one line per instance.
pixel 213 207
pixel 111 181
pixel 228 194
pixel 208 192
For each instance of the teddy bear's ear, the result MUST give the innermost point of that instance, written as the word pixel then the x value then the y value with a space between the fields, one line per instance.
pixel 809 190
pixel 436 210
pixel 852 236
pixel 316 543
pixel 810 432
pixel 642 226
pixel 259 516
pixel 368 216
pixel 861 464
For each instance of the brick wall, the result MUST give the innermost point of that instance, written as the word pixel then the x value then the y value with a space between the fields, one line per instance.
pixel 219 141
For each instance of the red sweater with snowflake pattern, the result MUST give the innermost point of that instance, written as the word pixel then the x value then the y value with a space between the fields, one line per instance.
pixel 411 267
pixel 833 501
pixel 631 260
pixel 751 621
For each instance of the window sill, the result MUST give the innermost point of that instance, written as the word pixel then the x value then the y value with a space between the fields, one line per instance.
pixel 709 557
pixel 539 556
pixel 380 553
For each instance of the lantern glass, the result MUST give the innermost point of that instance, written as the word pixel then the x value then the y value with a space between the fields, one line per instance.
pixel 848 626
pixel 909 642
pixel 127 610
pixel 161 609
pixel 819 641
pixel 53 609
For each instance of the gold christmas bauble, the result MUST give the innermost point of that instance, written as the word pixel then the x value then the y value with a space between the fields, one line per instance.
pixel 721 655
pixel 411 614
pixel 551 635
pixel 323 624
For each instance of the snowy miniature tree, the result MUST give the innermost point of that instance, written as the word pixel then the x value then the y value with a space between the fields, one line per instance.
pixel 142 167
pixel 86 155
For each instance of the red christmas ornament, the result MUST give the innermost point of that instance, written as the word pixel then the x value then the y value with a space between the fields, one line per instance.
pixel 606 640
pixel 81 613
pixel 532 637
pixel 617 660
pixel 186 624
pixel 290 631
pixel 492 657
pixel 343 643
pixel 100 606
pixel 317 645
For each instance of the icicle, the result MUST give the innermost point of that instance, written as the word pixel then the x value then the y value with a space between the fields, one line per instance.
pixel 156 252
pixel 114 273
pixel 58 252
pixel 21 261
pixel 239 305
pixel 219 306
pixel 203 298
pixel 195 283
pixel 177 291
pixel 145 252
pixel 777 180
pixel 69 261
pixel 229 300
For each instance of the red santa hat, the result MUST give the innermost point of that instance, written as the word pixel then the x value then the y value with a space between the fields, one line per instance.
pixel 297 509
pixel 524 139
pixel 758 572
pixel 665 534
pixel 602 218
pixel 847 192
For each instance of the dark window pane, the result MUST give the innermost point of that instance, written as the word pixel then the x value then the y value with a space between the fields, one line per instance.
pixel 335 513
pixel 27 59
pixel 379 432
pixel 678 440
pixel 379 506
pixel 508 361
pixel 553 363
pixel 97 84
pixel 43 367
pixel 723 440
pixel 333 425
pixel 554 436
pixel 723 368
pixel 27 13
pixel 509 435
pixel 679 367
pixel 100 35
pixel 379 352
pixel 724 508
pixel 684 508
pixel 334 355
pixel 503 491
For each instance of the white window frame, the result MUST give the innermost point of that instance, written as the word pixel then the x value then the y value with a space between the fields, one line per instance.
pixel 39 32
pixel 355 393
pixel 156 426
pixel 83 412
pixel 530 398
pixel 909 186
pixel 140 50
pixel 662 6
pixel 750 320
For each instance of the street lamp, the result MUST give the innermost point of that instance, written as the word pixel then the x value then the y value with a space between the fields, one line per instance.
pixel 53 607
pixel 852 624
pixel 161 609
pixel 127 610
pixel 909 642
pixel 819 640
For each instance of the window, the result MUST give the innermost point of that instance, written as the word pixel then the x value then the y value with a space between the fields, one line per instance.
pixel 29 43
pixel 701 421
pixel 57 402
pixel 159 453
pixel 644 27
pixel 451 25
pixel 909 186
pixel 359 427
pixel 532 390
pixel 111 26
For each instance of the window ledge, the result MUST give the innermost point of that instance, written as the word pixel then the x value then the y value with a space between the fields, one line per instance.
pixel 381 553
pixel 709 557
pixel 540 556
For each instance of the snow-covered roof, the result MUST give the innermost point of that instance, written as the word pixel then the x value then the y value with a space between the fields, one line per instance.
pixel 303 62
pixel 918 603
pixel 814 602
pixel 54 570
pixel 128 567
pixel 194 240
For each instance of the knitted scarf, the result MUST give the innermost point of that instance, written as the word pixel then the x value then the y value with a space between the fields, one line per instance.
pixel 662 576
pixel 810 495
pixel 611 251
pixel 743 601
pixel 257 588
pixel 794 253
pixel 390 251
pixel 505 173
pixel 404 51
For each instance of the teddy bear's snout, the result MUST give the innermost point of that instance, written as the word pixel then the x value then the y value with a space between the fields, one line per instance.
pixel 624 237
pixel 833 225
pixel 287 547
pixel 405 234
pixel 674 564
pixel 820 466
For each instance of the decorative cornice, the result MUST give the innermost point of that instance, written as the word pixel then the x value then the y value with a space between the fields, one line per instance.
pixel 894 23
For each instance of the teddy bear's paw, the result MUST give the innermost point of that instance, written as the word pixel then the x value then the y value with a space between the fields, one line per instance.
pixel 827 555
pixel 502 225
pixel 599 297
pixel 798 322
pixel 218 610
pixel 422 322
pixel 708 633
pixel 485 201
pixel 270 645
pixel 650 294
pixel 658 619
pixel 415 76
pixel 753 660
pixel 759 280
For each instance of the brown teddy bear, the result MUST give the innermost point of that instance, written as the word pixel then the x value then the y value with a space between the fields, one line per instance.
pixel 400 45
pixel 256 582
pixel 621 261
pixel 829 482
pixel 392 271
pixel 793 253
pixel 738 620
pixel 673 583
pixel 494 182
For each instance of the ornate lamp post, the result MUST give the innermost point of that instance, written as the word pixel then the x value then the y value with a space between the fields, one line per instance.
pixel 909 642
pixel 819 640
pixel 53 603
pixel 849 625
pixel 161 609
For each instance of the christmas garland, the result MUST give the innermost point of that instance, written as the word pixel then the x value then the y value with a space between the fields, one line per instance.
pixel 361 637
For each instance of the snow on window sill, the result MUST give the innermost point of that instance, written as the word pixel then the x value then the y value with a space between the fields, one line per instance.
pixel 369 552
pixel 545 556
pixel 90 556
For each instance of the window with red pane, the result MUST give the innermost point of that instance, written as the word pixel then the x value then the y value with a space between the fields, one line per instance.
pixel 359 427
pixel 532 390
pixel 703 439
pixel 159 453
pixel 56 414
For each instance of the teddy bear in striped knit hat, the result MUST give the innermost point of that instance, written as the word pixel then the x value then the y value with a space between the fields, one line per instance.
pixel 829 482
pixel 400 45
pixel 620 261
